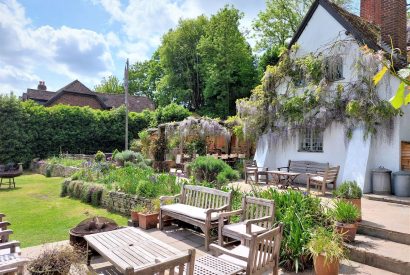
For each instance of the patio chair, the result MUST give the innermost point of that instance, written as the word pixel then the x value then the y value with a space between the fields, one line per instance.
pixel 10 258
pixel 260 256
pixel 256 217
pixel 322 179
pixel 250 169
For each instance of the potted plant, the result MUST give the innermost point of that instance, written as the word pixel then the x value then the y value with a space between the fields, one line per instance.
pixel 351 192
pixel 135 212
pixel 148 217
pixel 58 260
pixel 326 247
pixel 345 214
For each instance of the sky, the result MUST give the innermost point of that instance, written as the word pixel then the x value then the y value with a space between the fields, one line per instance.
pixel 58 41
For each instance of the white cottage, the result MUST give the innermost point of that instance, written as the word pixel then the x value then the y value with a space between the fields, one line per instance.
pixel 324 24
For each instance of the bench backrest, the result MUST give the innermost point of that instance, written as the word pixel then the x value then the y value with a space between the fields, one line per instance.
pixel 303 166
pixel 179 265
pixel 255 208
pixel 204 197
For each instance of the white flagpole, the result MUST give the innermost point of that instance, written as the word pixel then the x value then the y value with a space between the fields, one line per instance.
pixel 126 104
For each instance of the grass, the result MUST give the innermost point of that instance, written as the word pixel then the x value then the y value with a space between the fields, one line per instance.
pixel 66 161
pixel 39 215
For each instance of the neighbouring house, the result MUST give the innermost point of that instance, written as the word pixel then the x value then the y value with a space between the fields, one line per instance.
pixel 325 25
pixel 77 94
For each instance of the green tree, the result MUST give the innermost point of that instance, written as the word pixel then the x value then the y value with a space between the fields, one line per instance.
pixel 228 65
pixel 110 85
pixel 182 82
pixel 144 76
pixel 280 20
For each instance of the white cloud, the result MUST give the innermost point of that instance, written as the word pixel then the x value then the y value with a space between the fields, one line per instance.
pixel 74 53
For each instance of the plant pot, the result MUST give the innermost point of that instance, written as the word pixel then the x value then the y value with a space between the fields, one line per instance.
pixel 323 267
pixel 358 204
pixel 134 216
pixel 348 230
pixel 148 221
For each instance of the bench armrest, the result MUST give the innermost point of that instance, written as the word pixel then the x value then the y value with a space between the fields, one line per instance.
pixel 208 212
pixel 284 167
pixel 12 245
pixel 162 199
pixel 249 223
pixel 221 250
pixel 3 225
pixel 230 213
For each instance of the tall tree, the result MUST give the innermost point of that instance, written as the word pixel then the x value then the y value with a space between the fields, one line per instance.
pixel 228 64
pixel 144 76
pixel 182 80
pixel 110 85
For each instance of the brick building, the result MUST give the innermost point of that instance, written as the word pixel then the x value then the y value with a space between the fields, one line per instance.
pixel 77 94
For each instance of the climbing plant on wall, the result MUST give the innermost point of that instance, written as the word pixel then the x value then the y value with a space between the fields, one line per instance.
pixel 298 92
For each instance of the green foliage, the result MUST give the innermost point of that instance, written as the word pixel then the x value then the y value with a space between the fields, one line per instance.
pixel 328 243
pixel 143 78
pixel 114 153
pixel 196 146
pixel 171 112
pixel 348 190
pixel 131 158
pixel 99 156
pixel 29 130
pixel 300 214
pixel 344 212
pixel 110 85
pixel 183 77
pixel 65 161
pixel 145 142
pixel 212 170
pixel 86 192
pixel 229 71
pixel 158 148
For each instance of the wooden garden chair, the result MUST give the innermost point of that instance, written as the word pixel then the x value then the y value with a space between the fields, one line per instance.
pixel 256 216
pixel 250 169
pixel 262 254
pixel 322 179
pixel 10 258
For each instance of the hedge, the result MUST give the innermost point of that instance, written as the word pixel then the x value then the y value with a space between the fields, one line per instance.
pixel 29 130
pixel 86 192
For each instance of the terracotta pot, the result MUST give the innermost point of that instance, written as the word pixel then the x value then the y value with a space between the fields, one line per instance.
pixel 148 221
pixel 323 267
pixel 134 216
pixel 348 230
pixel 358 204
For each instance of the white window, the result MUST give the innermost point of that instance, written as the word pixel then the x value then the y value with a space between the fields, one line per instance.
pixel 311 140
pixel 333 68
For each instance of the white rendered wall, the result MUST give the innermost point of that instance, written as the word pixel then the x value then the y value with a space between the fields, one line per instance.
pixel 361 156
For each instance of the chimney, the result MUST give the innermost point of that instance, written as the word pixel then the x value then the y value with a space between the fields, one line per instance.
pixel 41 86
pixel 391 17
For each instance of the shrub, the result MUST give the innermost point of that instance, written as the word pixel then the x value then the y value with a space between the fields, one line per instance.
pixel 348 190
pixel 171 112
pixel 158 148
pixel 344 212
pixel 49 170
pixel 212 170
pixel 300 214
pixel 64 188
pixel 145 142
pixel 136 145
pixel 99 156
pixel 114 153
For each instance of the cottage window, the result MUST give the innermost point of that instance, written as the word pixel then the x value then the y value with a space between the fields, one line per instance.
pixel 333 68
pixel 311 140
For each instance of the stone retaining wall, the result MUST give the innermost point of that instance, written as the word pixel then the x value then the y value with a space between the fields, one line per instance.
pixel 121 202
pixel 56 170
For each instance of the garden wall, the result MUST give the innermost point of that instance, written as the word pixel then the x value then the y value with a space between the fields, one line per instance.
pixel 53 170
pixel 121 202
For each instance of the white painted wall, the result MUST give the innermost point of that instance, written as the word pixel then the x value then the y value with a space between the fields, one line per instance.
pixel 356 157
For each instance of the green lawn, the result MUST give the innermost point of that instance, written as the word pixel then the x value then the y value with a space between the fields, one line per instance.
pixel 39 215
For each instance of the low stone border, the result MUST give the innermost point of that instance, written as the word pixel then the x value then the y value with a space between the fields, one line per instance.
pixel 121 202
pixel 53 170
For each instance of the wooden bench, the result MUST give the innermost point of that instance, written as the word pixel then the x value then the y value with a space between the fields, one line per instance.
pixel 196 205
pixel 304 167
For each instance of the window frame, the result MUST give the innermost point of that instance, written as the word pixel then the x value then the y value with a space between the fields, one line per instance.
pixel 311 140
pixel 338 64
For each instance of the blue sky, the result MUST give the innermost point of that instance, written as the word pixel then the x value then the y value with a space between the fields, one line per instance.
pixel 59 41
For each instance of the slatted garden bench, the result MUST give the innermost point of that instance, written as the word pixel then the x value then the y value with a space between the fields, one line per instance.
pixel 305 168
pixel 196 205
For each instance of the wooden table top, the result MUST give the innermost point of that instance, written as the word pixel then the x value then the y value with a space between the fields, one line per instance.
pixel 284 173
pixel 130 249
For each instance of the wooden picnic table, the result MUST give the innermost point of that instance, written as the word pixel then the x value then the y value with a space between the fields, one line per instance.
pixel 130 249
pixel 287 177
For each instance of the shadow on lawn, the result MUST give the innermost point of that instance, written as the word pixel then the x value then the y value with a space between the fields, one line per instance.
pixel 6 189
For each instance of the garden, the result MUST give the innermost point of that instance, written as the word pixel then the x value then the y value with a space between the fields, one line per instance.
pixel 311 228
